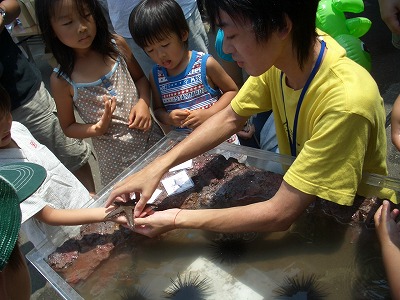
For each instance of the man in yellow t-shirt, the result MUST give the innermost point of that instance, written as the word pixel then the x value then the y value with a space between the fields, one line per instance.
pixel 340 129
pixel 328 113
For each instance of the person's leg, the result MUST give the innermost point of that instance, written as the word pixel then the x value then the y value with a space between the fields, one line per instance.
pixel 268 140
pixel 230 67
pixel 145 62
pixel 198 39
pixel 39 115
pixel 104 8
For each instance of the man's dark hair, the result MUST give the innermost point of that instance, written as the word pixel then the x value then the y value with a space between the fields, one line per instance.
pixel 267 16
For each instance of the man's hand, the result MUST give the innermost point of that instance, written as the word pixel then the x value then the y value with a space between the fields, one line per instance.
pixel 142 184
pixel 156 222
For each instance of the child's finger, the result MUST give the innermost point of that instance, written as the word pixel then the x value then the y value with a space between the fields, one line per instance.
pixel 182 113
pixel 113 104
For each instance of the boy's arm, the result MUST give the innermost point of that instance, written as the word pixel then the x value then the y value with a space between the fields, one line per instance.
pixel 69 217
pixel 159 110
pixel 395 123
pixel 217 76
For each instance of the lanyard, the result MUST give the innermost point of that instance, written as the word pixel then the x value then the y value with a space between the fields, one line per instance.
pixel 303 92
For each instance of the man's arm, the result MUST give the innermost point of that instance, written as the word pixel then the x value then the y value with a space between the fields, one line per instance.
pixel 275 214
pixel 211 133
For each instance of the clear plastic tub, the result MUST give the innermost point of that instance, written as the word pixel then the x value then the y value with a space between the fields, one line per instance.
pixel 340 261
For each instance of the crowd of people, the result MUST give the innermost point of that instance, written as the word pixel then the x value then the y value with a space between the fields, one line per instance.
pixel 120 64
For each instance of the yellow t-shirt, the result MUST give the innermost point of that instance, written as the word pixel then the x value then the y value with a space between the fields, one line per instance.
pixel 341 125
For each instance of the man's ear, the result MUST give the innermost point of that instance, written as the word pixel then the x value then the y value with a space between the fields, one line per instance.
pixel 286 30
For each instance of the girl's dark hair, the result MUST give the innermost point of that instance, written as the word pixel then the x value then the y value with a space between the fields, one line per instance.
pixel 65 56
pixel 5 102
pixel 267 16
pixel 153 20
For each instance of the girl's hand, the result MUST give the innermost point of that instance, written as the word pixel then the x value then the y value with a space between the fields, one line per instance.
pixel 109 107
pixel 196 118
pixel 140 117
pixel 178 116
pixel 387 229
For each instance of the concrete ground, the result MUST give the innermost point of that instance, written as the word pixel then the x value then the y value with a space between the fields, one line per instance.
pixel 385 70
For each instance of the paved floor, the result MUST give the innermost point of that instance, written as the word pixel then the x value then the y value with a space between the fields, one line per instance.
pixel 385 70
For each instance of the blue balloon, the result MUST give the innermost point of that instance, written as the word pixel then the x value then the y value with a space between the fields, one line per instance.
pixel 219 39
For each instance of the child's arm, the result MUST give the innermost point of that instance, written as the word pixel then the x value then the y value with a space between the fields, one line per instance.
pixel 62 93
pixel 139 116
pixel 69 217
pixel 175 117
pixel 217 77
pixel 389 237
pixel 395 123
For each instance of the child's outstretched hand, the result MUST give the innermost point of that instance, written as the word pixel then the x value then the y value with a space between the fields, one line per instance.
pixel 196 118
pixel 139 117
pixel 109 107
pixel 178 116
pixel 386 227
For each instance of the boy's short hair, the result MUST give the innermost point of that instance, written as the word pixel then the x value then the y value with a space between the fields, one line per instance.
pixel 153 20
pixel 17 182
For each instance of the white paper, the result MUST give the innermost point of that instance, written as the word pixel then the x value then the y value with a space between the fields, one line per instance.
pixel 177 183
pixel 154 196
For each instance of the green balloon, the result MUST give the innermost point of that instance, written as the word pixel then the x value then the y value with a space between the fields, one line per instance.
pixel 331 19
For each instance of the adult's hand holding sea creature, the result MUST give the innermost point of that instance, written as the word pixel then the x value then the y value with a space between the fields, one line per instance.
pixel 157 222
pixel 142 184
pixel 126 209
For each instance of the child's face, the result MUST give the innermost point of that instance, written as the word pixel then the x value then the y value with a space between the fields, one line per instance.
pixel 71 28
pixel 5 130
pixel 169 52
